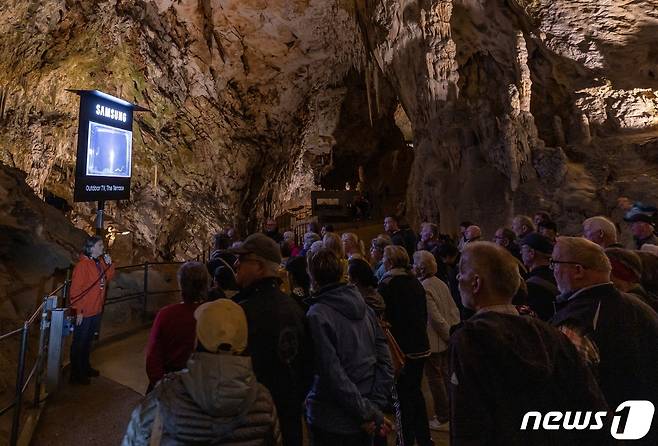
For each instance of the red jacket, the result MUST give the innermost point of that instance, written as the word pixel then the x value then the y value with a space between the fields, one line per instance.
pixel 171 340
pixel 88 285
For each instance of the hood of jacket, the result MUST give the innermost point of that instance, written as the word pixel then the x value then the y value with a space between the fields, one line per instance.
pixel 345 299
pixel 221 385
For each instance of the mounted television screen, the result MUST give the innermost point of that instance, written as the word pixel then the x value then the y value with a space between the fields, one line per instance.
pixel 109 151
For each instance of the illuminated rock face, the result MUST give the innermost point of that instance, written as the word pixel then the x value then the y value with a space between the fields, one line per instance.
pixel 523 105
pixel 242 94
pixel 511 105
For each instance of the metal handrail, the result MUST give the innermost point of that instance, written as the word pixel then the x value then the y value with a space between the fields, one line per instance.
pixel 22 383
pixel 36 313
pixel 36 371
pixel 11 333
pixel 150 263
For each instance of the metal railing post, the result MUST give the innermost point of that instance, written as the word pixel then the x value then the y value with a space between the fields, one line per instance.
pixel 49 304
pixel 66 289
pixel 146 291
pixel 20 374
pixel 55 341
pixel 43 326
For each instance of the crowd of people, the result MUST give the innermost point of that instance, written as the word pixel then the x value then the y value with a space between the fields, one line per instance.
pixel 271 333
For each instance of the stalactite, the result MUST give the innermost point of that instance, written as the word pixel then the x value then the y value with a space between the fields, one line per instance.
pixel 378 101
pixel 368 95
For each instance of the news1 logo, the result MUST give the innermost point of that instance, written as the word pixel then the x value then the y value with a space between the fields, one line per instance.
pixel 631 420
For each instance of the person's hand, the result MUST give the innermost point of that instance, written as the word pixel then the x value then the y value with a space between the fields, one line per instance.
pixel 78 319
pixel 386 427
pixel 108 259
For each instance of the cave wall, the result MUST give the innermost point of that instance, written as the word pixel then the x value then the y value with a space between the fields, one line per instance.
pixel 37 244
pixel 510 106
pixel 521 105
pixel 241 95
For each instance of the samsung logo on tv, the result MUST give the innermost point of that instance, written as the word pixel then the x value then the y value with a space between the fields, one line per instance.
pixel 111 113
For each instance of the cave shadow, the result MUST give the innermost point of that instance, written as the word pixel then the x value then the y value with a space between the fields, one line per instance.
pixel 378 147
pixel 641 47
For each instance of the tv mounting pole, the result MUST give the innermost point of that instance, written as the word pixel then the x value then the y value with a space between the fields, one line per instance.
pixel 99 217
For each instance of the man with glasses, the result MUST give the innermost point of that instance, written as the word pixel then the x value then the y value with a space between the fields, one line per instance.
pixel 615 332
pixel 503 365
pixel 277 335
pixel 506 238
pixel 535 253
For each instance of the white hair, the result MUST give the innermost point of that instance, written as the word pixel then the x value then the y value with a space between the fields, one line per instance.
pixel 600 223
pixel 425 261
pixel 316 246
pixel 583 251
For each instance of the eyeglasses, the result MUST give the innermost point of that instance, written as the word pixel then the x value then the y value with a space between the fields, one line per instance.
pixel 553 262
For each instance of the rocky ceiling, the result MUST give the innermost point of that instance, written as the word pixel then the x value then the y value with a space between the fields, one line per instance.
pixel 511 105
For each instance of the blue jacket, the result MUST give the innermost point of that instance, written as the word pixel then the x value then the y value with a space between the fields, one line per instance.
pixel 354 375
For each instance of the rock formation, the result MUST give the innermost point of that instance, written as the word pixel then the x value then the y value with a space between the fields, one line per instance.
pixel 522 105
pixel 509 105
pixel 36 241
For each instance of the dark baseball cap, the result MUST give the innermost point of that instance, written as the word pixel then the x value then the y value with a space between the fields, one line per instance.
pixel 538 242
pixel 639 216
pixel 260 245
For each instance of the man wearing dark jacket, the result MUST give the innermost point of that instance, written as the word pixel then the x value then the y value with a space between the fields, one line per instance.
pixel 401 236
pixel 503 365
pixel 406 311
pixel 615 332
pixel 277 335
pixel 536 253
pixel 353 371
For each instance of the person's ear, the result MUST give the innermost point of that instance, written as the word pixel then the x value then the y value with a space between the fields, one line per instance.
pixel 476 284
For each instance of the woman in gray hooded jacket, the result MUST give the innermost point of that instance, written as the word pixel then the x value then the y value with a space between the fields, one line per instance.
pixel 216 400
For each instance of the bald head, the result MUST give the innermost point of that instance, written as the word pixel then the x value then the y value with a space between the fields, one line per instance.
pixel 600 230
pixel 472 233
pixel 488 275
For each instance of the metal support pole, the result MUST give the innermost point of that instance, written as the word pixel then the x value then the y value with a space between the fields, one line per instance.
pixel 43 327
pixel 99 217
pixel 20 374
pixel 67 289
pixel 146 291
pixel 55 341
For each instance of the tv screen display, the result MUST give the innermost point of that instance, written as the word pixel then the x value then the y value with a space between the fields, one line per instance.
pixel 109 151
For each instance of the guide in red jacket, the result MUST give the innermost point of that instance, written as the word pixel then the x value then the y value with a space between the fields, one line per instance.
pixel 87 296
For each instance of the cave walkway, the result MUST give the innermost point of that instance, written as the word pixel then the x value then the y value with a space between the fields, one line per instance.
pixel 98 413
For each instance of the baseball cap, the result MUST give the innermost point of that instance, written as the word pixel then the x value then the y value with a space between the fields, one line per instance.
pixel 538 242
pixel 638 216
pixel 261 245
pixel 221 323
